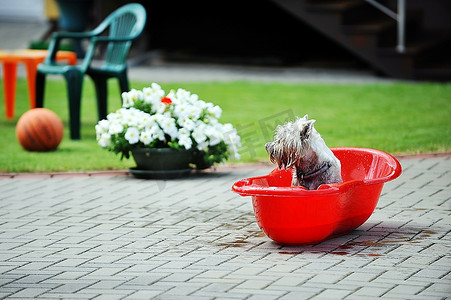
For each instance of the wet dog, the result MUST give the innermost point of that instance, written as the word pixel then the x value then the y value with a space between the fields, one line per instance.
pixel 299 146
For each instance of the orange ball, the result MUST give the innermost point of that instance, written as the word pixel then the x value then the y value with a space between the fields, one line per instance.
pixel 39 129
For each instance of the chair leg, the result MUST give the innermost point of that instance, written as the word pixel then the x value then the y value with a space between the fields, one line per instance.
pixel 40 88
pixel 123 81
pixel 74 81
pixel 100 83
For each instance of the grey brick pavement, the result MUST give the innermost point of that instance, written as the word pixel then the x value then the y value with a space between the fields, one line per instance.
pixel 116 237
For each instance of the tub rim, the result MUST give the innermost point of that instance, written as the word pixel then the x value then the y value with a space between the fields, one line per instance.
pixel 245 188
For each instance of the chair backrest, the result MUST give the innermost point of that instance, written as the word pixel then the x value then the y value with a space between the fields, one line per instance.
pixel 126 22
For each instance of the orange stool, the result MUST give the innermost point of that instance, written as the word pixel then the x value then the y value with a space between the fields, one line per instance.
pixel 31 59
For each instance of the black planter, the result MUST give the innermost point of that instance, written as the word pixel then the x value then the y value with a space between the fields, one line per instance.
pixel 161 163
pixel 199 161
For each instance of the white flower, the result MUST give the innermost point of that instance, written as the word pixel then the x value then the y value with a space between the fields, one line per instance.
pixel 146 137
pixel 153 94
pixel 150 122
pixel 181 111
pixel 159 108
pixel 127 101
pixel 201 104
pixel 194 98
pixel 199 135
pixel 184 131
pixel 227 127
pixel 213 134
pixel 234 154
pixel 209 120
pixel 214 140
pixel 100 130
pixel 185 138
pixel 168 126
pixel 103 125
pixel 132 135
pixel 185 141
pixel 232 140
pixel 113 116
pixel 182 94
pixel 194 112
pixel 157 133
pixel 116 128
pixel 231 136
pixel 203 146
pixel 186 123
pixel 131 116
pixel 136 95
pixel 104 140
pixel 215 111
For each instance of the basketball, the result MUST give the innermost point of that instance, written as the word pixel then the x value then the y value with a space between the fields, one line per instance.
pixel 39 129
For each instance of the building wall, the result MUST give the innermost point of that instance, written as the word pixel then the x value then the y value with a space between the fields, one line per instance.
pixel 22 10
pixel 436 14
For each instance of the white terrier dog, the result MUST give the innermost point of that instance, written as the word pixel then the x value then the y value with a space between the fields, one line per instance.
pixel 299 146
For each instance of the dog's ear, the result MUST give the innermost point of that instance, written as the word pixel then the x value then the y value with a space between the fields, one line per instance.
pixel 276 156
pixel 306 130
pixel 270 149
pixel 305 117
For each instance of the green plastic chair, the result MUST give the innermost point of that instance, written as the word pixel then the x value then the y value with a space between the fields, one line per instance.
pixel 118 31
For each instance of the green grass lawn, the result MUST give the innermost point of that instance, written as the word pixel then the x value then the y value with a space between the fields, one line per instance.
pixel 397 118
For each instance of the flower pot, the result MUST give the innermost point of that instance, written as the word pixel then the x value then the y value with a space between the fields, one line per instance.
pixel 161 163
pixel 180 119
pixel 199 161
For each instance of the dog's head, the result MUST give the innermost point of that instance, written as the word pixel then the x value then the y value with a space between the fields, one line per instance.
pixel 291 142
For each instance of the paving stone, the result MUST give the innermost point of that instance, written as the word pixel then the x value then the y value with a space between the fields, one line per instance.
pixel 404 291
pixel 72 287
pixel 287 280
pixel 370 292
pixel 254 284
pixel 143 295
pixel 264 297
pixel 30 293
pixel 328 277
pixel 333 294
pixel 306 292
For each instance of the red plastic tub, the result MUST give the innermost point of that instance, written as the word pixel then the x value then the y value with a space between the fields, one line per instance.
pixel 294 215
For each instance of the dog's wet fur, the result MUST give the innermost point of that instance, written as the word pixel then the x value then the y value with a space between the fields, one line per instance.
pixel 299 146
